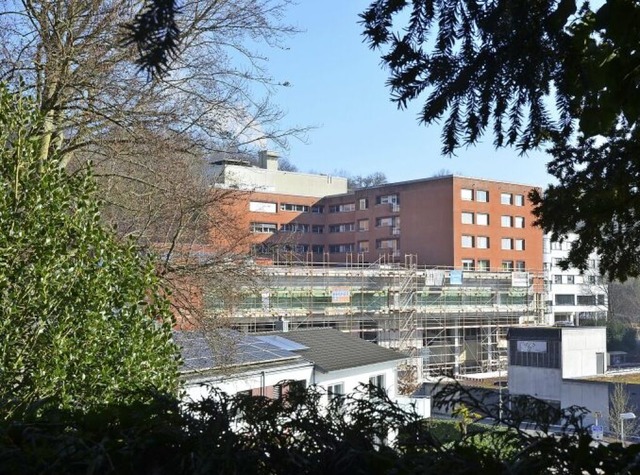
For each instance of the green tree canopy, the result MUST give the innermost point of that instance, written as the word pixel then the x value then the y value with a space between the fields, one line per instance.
pixel 554 73
pixel 83 319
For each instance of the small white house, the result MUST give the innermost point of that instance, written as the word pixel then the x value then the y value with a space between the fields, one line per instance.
pixel 334 361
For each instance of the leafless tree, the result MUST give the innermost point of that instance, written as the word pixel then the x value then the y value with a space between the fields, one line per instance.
pixel 620 403
pixel 149 139
pixel 624 298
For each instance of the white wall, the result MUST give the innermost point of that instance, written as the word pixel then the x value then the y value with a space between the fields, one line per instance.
pixel 352 377
pixel 590 394
pixel 276 181
pixel 579 348
pixel 543 383
pixel 232 384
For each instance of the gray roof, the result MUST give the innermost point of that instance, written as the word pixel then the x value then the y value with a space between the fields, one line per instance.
pixel 201 351
pixel 332 350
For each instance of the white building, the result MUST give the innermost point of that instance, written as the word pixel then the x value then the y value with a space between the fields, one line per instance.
pixel 572 296
pixel 260 364
pixel 269 178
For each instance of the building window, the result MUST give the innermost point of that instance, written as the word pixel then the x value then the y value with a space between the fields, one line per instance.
pixel 467 241
pixel 363 246
pixel 341 228
pixel 518 222
pixel 519 200
pixel 518 244
pixel 506 244
pixel 600 299
pixel 571 279
pixel 466 194
pixel 387 244
pixel 484 265
pixel 262 207
pixel 335 392
pixel 468 264
pixel 505 221
pixel 591 279
pixel 565 299
pixel 294 207
pixel 387 199
pixel 557 279
pixel 343 208
pixel 482 242
pixel 363 203
pixel 317 209
pixel 341 248
pixel 482 196
pixel 264 228
pixel 317 248
pixel 467 218
pixel 363 225
pixel 507 265
pixel 520 266
pixel 586 299
pixel 317 229
pixel 378 381
pixel 294 228
pixel 384 222
pixel 556 246
pixel 557 261
pixel 482 219
pixel 506 198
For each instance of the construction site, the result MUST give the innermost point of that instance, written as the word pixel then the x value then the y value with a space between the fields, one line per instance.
pixel 446 320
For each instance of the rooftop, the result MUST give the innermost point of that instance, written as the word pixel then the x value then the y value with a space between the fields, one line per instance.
pixel 332 350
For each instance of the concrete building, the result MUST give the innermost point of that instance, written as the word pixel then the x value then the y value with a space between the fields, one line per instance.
pixel 572 296
pixel 553 364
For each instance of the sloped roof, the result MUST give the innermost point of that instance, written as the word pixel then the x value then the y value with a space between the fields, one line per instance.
pixel 201 352
pixel 332 350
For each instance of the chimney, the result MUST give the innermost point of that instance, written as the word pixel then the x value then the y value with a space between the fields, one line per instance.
pixel 281 325
pixel 268 159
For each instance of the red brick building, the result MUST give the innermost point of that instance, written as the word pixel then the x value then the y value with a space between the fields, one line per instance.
pixel 448 221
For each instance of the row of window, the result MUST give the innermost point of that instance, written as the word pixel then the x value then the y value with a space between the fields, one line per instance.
pixel 268 207
pixel 363 204
pixel 363 225
pixel 272 228
pixel 557 261
pixel 571 299
pixel 576 279
pixel 336 390
pixel 483 242
pixel 484 265
pixel 482 219
pixel 386 245
pixel 482 196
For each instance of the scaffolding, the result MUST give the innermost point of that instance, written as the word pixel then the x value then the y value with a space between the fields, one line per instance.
pixel 445 319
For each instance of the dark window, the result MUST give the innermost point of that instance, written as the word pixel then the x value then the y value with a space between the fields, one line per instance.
pixel 565 299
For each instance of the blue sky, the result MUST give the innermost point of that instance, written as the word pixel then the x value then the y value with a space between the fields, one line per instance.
pixel 338 86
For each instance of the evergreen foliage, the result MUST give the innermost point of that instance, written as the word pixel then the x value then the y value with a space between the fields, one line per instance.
pixel 556 73
pixel 83 320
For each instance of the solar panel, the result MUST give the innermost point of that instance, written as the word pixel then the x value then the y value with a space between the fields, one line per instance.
pixel 201 352
pixel 282 343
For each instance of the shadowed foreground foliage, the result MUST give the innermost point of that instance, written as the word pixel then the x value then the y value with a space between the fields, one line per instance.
pixel 257 435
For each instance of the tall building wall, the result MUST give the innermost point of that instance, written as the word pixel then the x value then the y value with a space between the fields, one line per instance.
pixel 443 221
